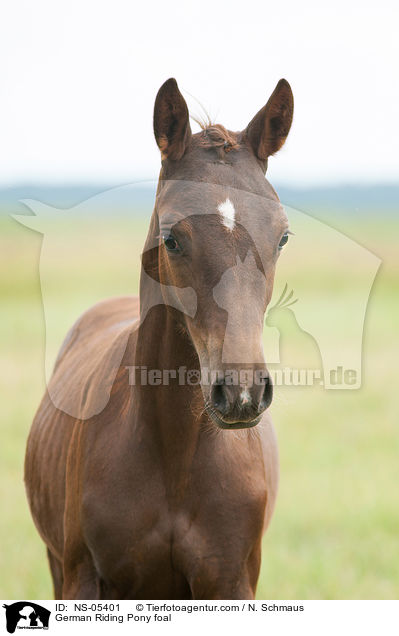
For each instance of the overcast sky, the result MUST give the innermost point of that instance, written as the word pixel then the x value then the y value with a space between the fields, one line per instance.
pixel 78 82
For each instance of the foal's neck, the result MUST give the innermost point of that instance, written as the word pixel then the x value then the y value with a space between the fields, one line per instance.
pixel 164 348
pixel 169 413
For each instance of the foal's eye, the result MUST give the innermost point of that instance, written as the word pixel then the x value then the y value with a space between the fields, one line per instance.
pixel 170 243
pixel 283 240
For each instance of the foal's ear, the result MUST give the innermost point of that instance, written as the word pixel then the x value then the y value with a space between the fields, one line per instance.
pixel 171 121
pixel 269 128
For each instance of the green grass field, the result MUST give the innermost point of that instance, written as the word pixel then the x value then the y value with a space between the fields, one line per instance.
pixel 334 534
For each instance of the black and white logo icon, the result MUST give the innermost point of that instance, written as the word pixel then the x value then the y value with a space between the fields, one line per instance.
pixel 26 615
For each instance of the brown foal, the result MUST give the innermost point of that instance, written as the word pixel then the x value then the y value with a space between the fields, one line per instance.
pixel 164 492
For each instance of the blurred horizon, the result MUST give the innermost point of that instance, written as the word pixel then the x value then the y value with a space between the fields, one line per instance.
pixel 137 197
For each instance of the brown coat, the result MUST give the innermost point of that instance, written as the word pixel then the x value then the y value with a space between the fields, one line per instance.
pixel 156 494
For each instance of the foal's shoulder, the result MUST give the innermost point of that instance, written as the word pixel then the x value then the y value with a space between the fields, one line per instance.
pixel 102 321
pixel 97 329
pixel 109 312
pixel 91 355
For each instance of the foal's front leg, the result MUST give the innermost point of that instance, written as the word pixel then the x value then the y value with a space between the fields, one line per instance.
pixel 227 580
pixel 81 580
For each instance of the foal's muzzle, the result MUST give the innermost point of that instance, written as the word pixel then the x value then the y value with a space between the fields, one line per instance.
pixel 233 407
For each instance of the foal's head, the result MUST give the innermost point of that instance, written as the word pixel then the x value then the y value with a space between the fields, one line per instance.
pixel 219 228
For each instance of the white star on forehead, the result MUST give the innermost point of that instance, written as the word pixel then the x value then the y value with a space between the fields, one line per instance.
pixel 228 214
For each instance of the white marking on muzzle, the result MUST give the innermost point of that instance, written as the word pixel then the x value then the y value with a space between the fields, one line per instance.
pixel 245 397
pixel 228 214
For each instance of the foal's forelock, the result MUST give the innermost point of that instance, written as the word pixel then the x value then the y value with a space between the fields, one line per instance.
pixel 217 136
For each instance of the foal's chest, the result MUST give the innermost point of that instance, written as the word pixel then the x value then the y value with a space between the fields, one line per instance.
pixel 148 533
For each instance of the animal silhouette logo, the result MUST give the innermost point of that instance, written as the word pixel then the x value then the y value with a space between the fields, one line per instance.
pixel 26 615
pixel 298 349
pixel 319 320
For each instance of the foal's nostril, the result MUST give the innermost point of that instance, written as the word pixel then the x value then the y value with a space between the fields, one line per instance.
pixel 233 404
pixel 219 398
pixel 267 395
